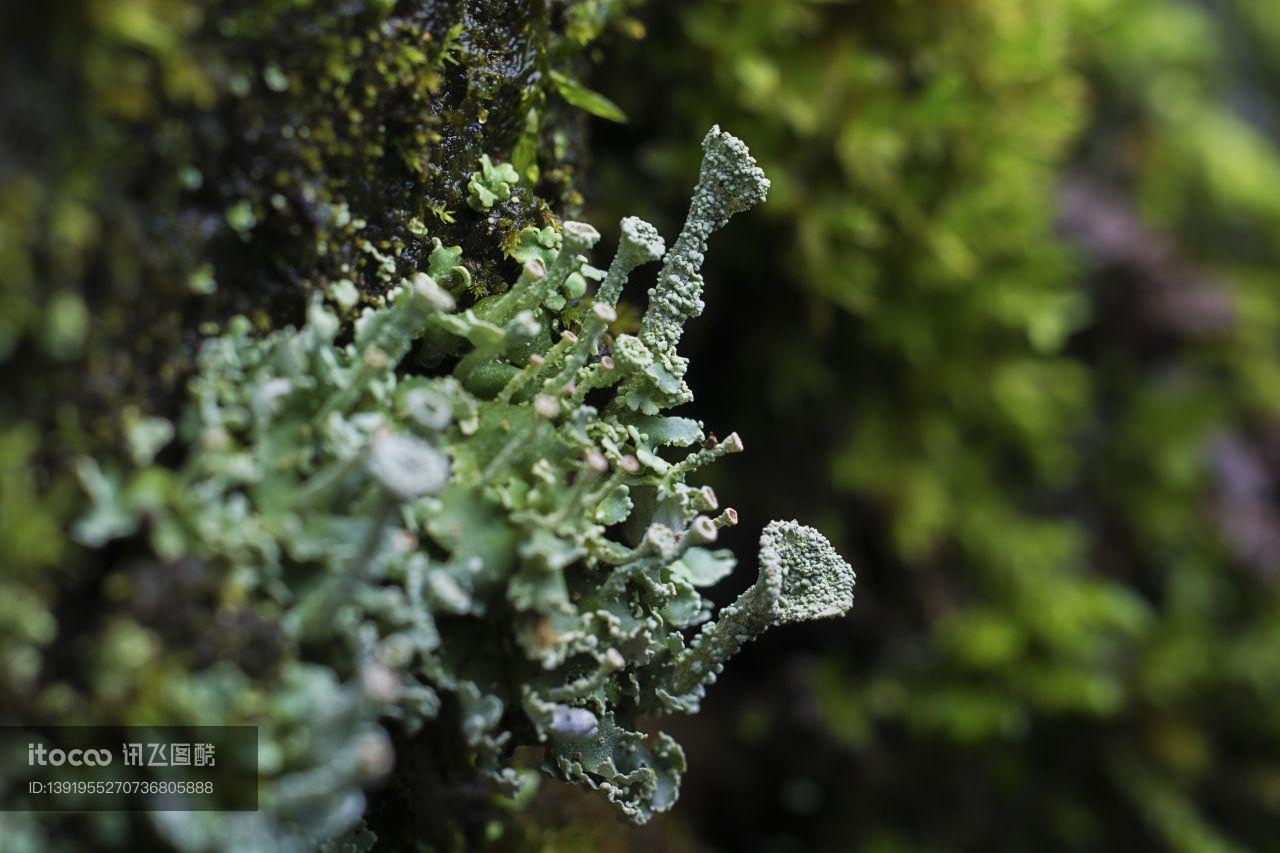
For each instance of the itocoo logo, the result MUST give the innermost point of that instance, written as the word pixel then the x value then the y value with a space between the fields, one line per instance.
pixel 38 755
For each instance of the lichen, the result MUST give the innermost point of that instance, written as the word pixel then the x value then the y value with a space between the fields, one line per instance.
pixel 491 184
pixel 505 540
pixel 728 183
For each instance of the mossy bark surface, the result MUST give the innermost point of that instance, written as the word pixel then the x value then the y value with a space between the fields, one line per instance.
pixel 166 164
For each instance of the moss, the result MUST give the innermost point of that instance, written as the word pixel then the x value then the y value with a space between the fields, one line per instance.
pixel 1027 417
pixel 176 162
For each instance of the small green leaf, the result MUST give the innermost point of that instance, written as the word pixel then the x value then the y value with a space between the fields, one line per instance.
pixel 585 99
pixel 524 156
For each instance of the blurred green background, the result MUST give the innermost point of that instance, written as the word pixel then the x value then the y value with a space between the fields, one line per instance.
pixel 1008 327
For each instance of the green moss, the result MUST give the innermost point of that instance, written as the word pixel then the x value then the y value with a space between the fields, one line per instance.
pixel 259 150
pixel 1052 441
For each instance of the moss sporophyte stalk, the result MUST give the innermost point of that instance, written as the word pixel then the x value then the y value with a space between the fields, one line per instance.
pixel 481 514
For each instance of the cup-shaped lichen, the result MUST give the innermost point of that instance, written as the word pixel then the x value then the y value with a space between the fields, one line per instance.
pixel 479 534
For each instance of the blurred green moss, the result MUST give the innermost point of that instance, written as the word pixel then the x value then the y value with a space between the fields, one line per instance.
pixel 1014 326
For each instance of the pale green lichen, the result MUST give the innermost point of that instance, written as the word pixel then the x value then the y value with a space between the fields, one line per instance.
pixel 478 534
pixel 729 182
pixel 801 578
pixel 638 243
pixel 491 184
